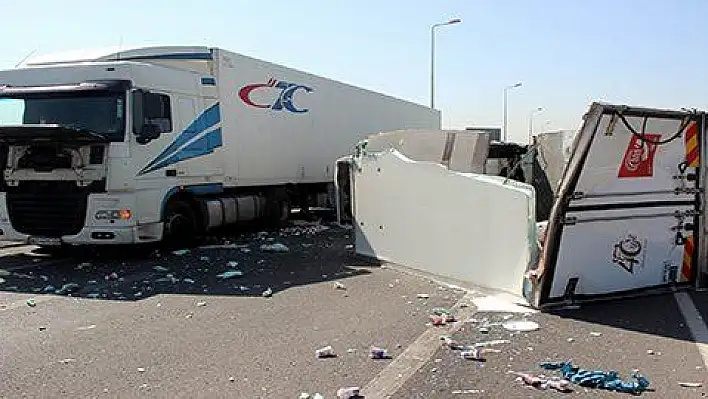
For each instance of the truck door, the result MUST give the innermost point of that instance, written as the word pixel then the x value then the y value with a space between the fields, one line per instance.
pixel 626 215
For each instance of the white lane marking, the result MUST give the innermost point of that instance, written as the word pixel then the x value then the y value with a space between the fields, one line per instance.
pixel 696 324
pixel 417 354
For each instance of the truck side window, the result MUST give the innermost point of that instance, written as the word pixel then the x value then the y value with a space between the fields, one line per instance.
pixel 158 112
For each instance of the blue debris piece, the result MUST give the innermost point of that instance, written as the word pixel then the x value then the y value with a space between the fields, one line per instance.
pixel 608 380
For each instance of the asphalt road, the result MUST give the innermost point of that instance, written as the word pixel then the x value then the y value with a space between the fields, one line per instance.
pixel 167 326
pixel 648 334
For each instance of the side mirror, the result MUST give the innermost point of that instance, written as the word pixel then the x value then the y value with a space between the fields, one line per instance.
pixel 149 132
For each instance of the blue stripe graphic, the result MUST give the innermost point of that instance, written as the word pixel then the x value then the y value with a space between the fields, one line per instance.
pixel 202 146
pixel 209 81
pixel 171 154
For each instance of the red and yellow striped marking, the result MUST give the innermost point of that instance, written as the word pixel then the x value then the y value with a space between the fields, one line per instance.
pixel 687 264
pixel 691 140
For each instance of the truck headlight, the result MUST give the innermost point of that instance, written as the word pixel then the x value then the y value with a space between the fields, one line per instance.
pixel 116 214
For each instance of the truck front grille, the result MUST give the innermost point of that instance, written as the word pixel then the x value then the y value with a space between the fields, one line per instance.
pixel 47 209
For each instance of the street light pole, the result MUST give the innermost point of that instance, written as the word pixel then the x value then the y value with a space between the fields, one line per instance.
pixel 506 89
pixel 531 114
pixel 432 57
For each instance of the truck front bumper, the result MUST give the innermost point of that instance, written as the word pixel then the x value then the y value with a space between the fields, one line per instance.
pixel 95 231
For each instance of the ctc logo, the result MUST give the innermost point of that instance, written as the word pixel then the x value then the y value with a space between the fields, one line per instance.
pixel 284 99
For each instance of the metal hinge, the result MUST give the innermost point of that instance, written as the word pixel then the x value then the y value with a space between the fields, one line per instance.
pixel 578 195
pixel 685 190
pixel 570 220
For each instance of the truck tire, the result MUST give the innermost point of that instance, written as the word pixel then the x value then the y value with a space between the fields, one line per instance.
pixel 181 229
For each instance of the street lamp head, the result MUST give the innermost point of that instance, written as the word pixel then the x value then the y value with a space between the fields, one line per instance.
pixel 539 109
pixel 454 21
pixel 517 85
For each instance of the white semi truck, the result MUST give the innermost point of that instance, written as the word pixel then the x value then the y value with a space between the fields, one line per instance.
pixel 157 144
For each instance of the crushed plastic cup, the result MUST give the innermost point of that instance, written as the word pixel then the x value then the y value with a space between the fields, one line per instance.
pixel 325 352
pixel 348 393
pixel 378 353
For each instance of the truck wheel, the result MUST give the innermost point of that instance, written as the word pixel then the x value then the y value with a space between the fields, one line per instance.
pixel 180 225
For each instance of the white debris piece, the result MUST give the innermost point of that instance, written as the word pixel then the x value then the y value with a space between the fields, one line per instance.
pixel 339 286
pixel 201 304
pixel 423 296
pixel 141 369
pixel 521 325
pixel 690 384
pixel 276 247
pixel 67 361
pixel 267 293
pixel 595 334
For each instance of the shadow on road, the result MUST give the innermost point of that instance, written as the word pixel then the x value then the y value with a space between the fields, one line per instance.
pixel 654 314
pixel 231 264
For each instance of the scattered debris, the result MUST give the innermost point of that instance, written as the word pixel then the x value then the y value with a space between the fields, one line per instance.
pixel 267 293
pixel 180 252
pixel 304 395
pixel 31 303
pixel 464 391
pixel 491 343
pixel 378 353
pixel 230 274
pixel 201 304
pixel 90 327
pixel 339 286
pixel 477 353
pixel 483 330
pixel 595 334
pixel 650 352
pixel 351 350
pixel 608 380
pixel 325 352
pixel 67 361
pixel 276 247
pixel 160 269
pixel 571 339
pixel 521 325
pixel 348 393
pixel 188 281
pixel 67 289
pixel 690 384
pixel 189 315
pixel 141 370
pixel 543 383
pixel 232 379
pixel 423 296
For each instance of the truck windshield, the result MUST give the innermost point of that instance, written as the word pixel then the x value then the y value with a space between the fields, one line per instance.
pixel 99 112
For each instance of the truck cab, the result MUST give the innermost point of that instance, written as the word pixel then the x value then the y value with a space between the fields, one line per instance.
pixel 75 145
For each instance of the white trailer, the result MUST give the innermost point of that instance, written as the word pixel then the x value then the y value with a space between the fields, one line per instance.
pixel 162 143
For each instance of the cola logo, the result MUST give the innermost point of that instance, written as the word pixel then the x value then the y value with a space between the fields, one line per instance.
pixel 638 160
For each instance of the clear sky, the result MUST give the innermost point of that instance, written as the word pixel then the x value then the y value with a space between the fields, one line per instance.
pixel 567 53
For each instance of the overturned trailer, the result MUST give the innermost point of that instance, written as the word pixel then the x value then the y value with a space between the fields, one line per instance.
pixel 628 215
pixel 622 215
